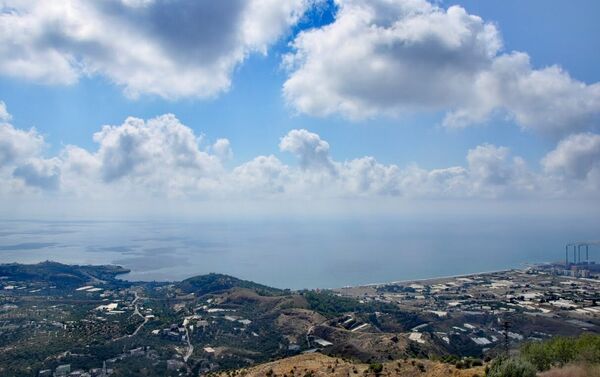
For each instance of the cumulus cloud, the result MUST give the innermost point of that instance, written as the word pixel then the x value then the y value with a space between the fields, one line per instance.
pixel 367 176
pixel 546 100
pixel 168 48
pixel 139 148
pixel 398 56
pixel 493 171
pixel 262 176
pixel 21 162
pixel 4 115
pixel 160 155
pixel 222 149
pixel 312 152
pixel 387 56
pixel 163 158
pixel 18 145
pixel 577 156
pixel 41 173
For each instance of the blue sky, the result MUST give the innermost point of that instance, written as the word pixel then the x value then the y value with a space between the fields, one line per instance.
pixel 254 115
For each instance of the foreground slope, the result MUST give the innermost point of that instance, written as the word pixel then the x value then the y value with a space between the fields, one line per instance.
pixel 315 365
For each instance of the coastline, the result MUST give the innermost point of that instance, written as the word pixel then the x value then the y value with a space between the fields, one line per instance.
pixel 420 280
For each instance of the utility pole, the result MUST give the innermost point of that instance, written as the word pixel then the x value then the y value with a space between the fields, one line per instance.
pixel 506 326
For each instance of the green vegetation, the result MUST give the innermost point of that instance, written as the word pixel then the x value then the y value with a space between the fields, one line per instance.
pixel 60 275
pixel 561 351
pixel 215 283
pixel 460 362
pixel 331 305
pixel 376 368
pixel 541 356
pixel 511 367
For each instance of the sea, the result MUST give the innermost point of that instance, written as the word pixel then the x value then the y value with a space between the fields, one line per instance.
pixel 297 254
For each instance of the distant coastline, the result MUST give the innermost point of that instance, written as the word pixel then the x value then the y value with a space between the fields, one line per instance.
pixel 434 278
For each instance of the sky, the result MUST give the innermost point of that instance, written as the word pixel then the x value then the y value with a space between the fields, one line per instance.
pixel 307 106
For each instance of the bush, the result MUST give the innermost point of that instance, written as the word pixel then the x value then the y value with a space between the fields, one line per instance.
pixel 512 367
pixel 561 351
pixel 376 368
pixel 477 363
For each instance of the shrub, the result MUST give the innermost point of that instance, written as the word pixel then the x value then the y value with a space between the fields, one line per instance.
pixel 560 351
pixel 376 368
pixel 477 363
pixel 512 367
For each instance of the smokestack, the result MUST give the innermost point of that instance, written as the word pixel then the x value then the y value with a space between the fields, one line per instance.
pixel 587 255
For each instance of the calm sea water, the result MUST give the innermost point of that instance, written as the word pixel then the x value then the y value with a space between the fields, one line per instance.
pixel 296 254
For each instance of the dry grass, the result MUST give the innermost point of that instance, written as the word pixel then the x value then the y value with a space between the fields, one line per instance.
pixel 318 365
pixel 574 371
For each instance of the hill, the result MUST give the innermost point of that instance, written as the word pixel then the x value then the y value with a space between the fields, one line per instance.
pixel 317 365
pixel 59 274
pixel 217 283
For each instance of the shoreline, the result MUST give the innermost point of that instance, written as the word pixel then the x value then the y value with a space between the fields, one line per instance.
pixel 431 278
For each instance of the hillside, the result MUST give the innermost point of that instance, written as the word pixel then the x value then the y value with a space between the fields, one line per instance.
pixel 216 283
pixel 59 274
pixel 316 365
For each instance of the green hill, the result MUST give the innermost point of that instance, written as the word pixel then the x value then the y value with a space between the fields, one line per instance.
pixel 215 283
pixel 59 274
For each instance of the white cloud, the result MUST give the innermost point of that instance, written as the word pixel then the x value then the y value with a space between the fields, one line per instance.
pixel 396 56
pixel 162 158
pixel 546 100
pixel 312 152
pixel 21 161
pixel 388 56
pixel 222 149
pixel 4 115
pixel 168 48
pixel 489 164
pixel 577 156
pixel 40 173
pixel 493 171
pixel 367 176
pixel 161 155
pixel 138 148
pixel 262 176
pixel 17 145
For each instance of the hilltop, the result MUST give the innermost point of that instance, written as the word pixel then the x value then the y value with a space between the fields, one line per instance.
pixel 216 283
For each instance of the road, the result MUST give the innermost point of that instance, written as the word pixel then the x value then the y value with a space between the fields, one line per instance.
pixel 190 346
pixel 137 312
